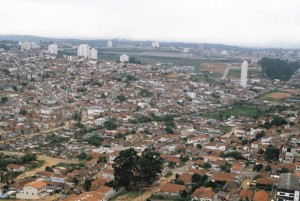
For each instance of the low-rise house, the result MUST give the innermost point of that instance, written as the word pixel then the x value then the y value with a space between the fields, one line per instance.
pixel 33 190
pixel 203 194
pixel 108 192
pixel 58 178
pixel 261 196
pixel 171 189
pixel 245 194
pixel 108 174
pixel 15 168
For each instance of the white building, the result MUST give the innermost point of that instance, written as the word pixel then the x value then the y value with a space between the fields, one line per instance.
pixel 186 50
pixel 124 58
pixel 109 43
pixel 26 46
pixel 155 44
pixel 34 45
pixel 201 47
pixel 52 48
pixel 93 53
pixel 191 94
pixel 33 190
pixel 244 74
pixel 224 52
pixel 83 50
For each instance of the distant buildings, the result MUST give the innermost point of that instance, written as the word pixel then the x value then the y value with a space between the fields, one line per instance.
pixel 109 43
pixel 34 45
pixel 186 50
pixel 52 48
pixel 25 46
pixel 201 47
pixel 224 53
pixel 244 74
pixel 124 58
pixel 83 50
pixel 93 53
pixel 155 44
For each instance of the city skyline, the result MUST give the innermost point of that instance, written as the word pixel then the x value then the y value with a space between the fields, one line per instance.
pixel 247 24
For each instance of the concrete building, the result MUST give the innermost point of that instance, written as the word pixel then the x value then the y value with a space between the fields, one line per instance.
pixel 288 187
pixel 186 50
pixel 83 50
pixel 93 53
pixel 52 48
pixel 155 44
pixel 109 43
pixel 224 52
pixel 124 58
pixel 244 74
pixel 26 46
pixel 33 190
pixel 34 45
pixel 201 47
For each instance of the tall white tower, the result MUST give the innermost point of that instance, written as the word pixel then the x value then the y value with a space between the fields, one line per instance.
pixel 52 48
pixel 244 74
pixel 83 50
pixel 93 53
pixel 155 44
pixel 109 43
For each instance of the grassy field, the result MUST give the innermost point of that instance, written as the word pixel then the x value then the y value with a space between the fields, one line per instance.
pixel 235 111
pixel 226 129
pixel 128 194
pixel 251 72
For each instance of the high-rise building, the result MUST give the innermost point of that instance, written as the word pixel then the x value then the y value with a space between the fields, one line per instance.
pixel 244 74
pixel 83 50
pixel 224 52
pixel 201 47
pixel 109 43
pixel 186 50
pixel 93 53
pixel 124 58
pixel 34 45
pixel 26 45
pixel 52 48
pixel 155 44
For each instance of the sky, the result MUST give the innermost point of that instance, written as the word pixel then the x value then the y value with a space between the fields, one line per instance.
pixel 247 23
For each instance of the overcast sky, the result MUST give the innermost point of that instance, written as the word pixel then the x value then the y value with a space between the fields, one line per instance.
pixel 252 23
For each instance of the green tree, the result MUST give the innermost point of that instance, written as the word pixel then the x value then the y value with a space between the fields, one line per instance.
pixel 82 155
pixel 268 168
pixel 23 112
pixel 89 157
pixel 258 167
pixel 49 169
pixel 184 194
pixel 171 164
pixel 4 99
pixel 15 88
pixel 196 177
pixel 132 60
pixel 169 130
pixel 76 181
pixel 124 167
pixel 122 98
pixel 206 165
pixel 110 183
pixel 87 184
pixel 102 159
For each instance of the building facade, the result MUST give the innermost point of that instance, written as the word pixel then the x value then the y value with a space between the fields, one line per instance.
pixel 244 74
pixel 52 48
pixel 83 50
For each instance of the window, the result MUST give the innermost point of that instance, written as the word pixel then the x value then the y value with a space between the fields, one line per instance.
pixel 282 193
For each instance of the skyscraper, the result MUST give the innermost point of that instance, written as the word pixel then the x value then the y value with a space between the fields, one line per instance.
pixel 83 50
pixel 52 48
pixel 93 53
pixel 244 74
pixel 201 47
pixel 109 43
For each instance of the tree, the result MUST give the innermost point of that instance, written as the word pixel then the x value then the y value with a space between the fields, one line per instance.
pixel 124 167
pixel 110 125
pixel 258 167
pixel 87 184
pixel 169 130
pixel 206 165
pixel 177 176
pixel 199 146
pixel 184 194
pixel 76 181
pixel 82 155
pixel 212 139
pixel 15 88
pixel 196 177
pixel 122 98
pixel 49 169
pixel 171 164
pixel 268 168
pixel 4 99
pixel 89 157
pixel 110 183
pixel 23 112
pixel 132 60
pixel 283 170
pixel 102 159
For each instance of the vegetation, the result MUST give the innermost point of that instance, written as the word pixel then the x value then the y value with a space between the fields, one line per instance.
pixel 168 174
pixel 95 140
pixel 278 69
pixel 131 169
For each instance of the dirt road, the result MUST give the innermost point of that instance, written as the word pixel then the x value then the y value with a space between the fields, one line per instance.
pixel 230 132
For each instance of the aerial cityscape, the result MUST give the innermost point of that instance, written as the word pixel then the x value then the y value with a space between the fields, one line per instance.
pixel 117 112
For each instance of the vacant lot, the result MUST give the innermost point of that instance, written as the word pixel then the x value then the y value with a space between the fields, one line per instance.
pixel 236 73
pixel 214 67
pixel 235 111
pixel 291 90
pixel 278 95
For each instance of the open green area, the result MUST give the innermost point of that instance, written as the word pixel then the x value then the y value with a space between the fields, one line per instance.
pixel 236 111
pixel 226 129
pixel 127 194
pixel 251 73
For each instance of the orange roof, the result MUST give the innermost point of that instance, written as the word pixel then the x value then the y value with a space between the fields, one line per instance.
pixel 245 194
pixel 261 196
pixel 36 184
pixel 103 189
